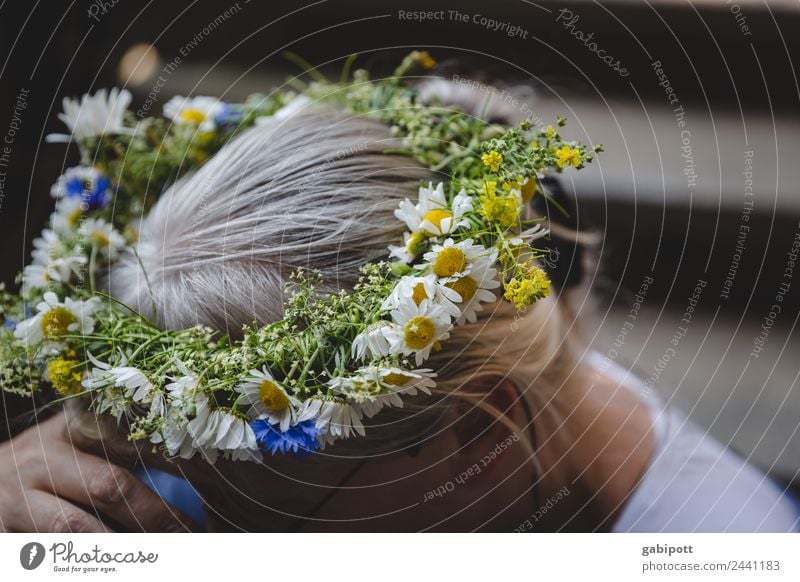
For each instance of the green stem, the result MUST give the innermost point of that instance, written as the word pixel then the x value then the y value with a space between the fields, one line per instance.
pixel 92 267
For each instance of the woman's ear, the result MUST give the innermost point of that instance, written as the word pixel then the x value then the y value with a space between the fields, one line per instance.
pixel 489 410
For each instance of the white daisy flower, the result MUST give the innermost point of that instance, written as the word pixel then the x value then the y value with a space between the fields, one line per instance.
pixel 268 399
pixel 291 109
pixel 133 383
pixel 158 406
pixel 410 249
pixel 418 329
pixel 473 289
pixel 103 235
pixel 419 289
pixel 174 433
pixel 371 342
pixel 48 247
pixel 198 111
pixel 183 401
pixel 372 388
pixel 451 259
pixel 355 387
pixel 67 216
pixel 40 276
pixel 219 430
pixel 55 319
pixel 431 215
pixel 95 115
pixel 104 397
pixel 334 419
pixel 401 381
pixel 369 407
pixel 182 390
pixel 535 232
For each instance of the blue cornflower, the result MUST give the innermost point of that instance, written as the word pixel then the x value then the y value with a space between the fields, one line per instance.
pixel 301 439
pixel 88 184
pixel 228 117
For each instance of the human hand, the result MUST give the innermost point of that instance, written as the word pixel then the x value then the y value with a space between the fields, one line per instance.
pixel 50 482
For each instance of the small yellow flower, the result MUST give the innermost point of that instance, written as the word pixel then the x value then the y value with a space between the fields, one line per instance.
pixel 65 376
pixel 550 132
pixel 426 60
pixel 529 287
pixel 567 156
pixel 514 184
pixel 493 160
pixel 504 210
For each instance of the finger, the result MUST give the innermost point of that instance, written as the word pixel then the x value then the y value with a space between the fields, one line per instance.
pixel 126 453
pixel 44 512
pixel 117 493
pixel 115 448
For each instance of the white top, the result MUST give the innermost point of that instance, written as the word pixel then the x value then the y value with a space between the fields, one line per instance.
pixel 695 484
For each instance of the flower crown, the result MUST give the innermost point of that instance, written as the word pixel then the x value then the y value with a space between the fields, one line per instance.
pixel 312 378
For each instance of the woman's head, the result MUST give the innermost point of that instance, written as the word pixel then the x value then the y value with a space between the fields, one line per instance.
pixel 314 190
pixel 318 190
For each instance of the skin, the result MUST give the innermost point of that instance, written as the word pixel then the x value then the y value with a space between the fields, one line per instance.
pixel 63 485
pixel 598 449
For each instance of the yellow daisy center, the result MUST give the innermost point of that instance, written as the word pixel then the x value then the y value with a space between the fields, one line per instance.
pixel 100 238
pixel 56 322
pixel 419 332
pixel 449 261
pixel 395 379
pixel 414 243
pixel 192 116
pixel 465 286
pixel 419 293
pixel 436 217
pixel 74 216
pixel 273 397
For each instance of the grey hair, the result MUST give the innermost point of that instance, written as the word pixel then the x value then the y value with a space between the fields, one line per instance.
pixel 314 190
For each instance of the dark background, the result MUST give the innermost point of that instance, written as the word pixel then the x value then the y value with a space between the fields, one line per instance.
pixel 725 79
